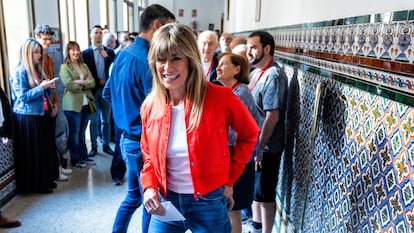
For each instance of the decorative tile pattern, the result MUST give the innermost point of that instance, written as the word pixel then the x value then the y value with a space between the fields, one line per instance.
pixel 7 172
pixel 360 169
pixel 359 174
pixel 393 81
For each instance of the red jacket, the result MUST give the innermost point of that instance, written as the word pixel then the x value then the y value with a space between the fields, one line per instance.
pixel 211 163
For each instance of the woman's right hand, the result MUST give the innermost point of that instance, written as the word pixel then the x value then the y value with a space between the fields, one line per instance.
pixel 152 202
pixel 48 83
pixel 78 81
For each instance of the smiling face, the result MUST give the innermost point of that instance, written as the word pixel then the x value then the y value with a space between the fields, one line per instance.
pixel 74 53
pixel 226 71
pixel 173 71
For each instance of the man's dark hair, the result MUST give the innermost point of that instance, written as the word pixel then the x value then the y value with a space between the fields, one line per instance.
pixel 96 26
pixel 152 13
pixel 265 39
pixel 133 34
pixel 43 29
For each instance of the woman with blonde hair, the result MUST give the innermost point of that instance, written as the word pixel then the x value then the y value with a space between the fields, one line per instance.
pixel 185 120
pixel 34 148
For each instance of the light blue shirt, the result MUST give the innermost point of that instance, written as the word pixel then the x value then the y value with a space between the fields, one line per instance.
pixel 99 62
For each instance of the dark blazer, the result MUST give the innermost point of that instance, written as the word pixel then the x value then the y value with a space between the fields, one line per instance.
pixel 89 60
pixel 212 76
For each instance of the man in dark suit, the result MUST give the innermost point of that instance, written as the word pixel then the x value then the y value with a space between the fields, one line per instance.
pixel 99 58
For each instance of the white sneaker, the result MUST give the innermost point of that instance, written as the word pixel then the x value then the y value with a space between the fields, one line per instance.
pixel 62 177
pixel 66 171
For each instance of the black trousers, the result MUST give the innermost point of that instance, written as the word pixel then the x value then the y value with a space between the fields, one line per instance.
pixel 118 167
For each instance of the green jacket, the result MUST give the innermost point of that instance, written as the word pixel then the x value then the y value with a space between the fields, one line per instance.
pixel 73 94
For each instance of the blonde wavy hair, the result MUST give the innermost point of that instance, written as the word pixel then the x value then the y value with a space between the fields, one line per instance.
pixel 27 49
pixel 179 39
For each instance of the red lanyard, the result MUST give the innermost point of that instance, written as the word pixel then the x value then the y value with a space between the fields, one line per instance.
pixel 234 86
pixel 256 78
pixel 209 69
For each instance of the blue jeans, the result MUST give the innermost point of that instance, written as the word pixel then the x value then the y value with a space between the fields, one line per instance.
pixel 205 215
pixel 132 156
pixel 104 115
pixel 77 122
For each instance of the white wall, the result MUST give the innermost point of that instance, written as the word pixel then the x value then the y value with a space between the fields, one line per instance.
pixel 17 28
pixel 46 12
pixel 242 12
pixel 289 12
pixel 94 13
pixel 208 11
pixel 169 4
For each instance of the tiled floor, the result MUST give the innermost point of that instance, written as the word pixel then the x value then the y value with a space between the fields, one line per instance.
pixel 87 203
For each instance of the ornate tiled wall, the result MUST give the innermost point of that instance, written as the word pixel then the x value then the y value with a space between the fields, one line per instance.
pixel 7 174
pixel 358 173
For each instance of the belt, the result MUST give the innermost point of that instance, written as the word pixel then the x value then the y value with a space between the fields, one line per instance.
pixel 132 137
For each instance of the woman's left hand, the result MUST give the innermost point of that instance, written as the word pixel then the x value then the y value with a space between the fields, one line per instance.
pixel 228 192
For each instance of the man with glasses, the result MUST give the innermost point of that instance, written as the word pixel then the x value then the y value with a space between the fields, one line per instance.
pixel 44 35
pixel 225 40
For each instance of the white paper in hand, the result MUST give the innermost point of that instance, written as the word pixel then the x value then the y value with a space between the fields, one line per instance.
pixel 171 213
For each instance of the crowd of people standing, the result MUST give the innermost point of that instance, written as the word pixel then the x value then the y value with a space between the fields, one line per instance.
pixel 198 121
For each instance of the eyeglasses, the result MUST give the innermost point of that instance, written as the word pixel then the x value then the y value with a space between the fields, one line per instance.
pixel 46 38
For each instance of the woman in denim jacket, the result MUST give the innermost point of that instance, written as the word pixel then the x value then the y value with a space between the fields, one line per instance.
pixel 35 148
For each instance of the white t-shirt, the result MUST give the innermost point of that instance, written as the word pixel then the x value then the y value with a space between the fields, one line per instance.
pixel 178 165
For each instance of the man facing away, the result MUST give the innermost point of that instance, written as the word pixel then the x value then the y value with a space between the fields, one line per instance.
pixel 129 84
pixel 98 58
pixel 268 84
pixel 207 44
